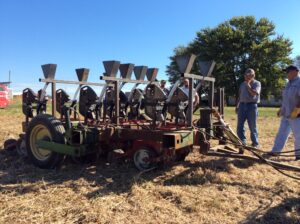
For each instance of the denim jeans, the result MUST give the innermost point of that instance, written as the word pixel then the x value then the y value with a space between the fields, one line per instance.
pixel 286 126
pixel 247 112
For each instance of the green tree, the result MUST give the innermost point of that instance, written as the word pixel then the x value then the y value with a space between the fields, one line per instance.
pixel 238 44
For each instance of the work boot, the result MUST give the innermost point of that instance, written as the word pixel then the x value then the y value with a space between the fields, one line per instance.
pixel 270 155
pixel 257 146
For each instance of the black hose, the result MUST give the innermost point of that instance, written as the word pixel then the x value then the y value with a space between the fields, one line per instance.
pixel 254 151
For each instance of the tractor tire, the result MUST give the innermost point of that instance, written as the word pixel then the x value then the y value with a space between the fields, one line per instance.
pixel 141 158
pixel 21 148
pixel 10 144
pixel 44 127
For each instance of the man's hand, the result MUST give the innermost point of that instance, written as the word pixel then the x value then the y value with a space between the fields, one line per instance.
pixel 247 82
pixel 236 110
pixel 294 114
pixel 252 92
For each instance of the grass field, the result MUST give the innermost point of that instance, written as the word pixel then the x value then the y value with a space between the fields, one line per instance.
pixel 198 190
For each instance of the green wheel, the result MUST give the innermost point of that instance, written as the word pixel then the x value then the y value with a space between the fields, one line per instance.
pixel 44 127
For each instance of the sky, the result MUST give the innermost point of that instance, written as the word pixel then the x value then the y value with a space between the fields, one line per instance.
pixel 76 34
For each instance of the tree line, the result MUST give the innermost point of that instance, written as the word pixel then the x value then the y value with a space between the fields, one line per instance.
pixel 238 44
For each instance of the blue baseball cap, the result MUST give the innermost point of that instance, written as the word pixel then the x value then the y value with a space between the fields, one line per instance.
pixel 291 68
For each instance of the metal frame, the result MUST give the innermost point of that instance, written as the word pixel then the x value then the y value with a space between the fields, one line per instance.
pixel 185 64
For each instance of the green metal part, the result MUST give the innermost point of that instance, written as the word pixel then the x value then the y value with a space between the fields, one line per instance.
pixel 77 151
pixel 86 135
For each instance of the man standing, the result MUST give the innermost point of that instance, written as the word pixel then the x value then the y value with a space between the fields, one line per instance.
pixel 290 112
pixel 249 97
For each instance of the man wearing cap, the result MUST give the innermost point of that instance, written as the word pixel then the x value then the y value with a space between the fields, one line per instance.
pixel 290 112
pixel 249 97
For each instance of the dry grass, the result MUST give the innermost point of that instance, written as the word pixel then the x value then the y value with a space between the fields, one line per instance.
pixel 199 190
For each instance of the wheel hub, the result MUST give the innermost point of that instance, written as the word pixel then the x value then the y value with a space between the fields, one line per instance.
pixel 40 132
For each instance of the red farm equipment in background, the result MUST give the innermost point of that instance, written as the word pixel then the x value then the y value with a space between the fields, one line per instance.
pixel 4 96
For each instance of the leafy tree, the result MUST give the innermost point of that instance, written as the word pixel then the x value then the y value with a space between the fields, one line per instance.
pixel 238 44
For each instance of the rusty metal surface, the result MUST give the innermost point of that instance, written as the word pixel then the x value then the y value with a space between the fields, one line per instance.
pixel 49 70
pixel 205 120
pixel 72 82
pixel 198 77
pixel 220 100
pixel 140 72
pixel 191 103
pixel 200 140
pixel 111 68
pixel 53 89
pixel 185 62
pixel 206 67
pixel 182 138
pixel 126 70
pixel 154 145
pixel 152 74
pixel 132 134
pixel 117 103
pixel 155 135
pixel 168 140
pixel 82 74
pixel 123 80
pixel 106 134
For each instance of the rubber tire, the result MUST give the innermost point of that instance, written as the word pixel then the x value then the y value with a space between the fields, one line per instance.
pixel 150 152
pixel 21 148
pixel 10 144
pixel 56 130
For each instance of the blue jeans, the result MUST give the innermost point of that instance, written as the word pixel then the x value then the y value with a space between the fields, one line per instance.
pixel 247 112
pixel 286 126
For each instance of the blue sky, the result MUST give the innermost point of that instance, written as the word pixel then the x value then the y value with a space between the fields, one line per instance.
pixel 76 34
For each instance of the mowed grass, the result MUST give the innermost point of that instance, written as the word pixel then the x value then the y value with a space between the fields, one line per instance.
pixel 267 124
pixel 199 190
pixel 15 107
pixel 265 112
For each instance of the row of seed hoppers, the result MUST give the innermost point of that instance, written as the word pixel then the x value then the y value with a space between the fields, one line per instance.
pixel 147 125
